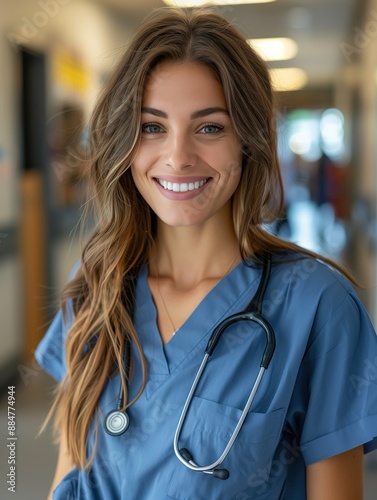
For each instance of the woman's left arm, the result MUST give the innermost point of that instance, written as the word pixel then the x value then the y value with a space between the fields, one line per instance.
pixel 337 478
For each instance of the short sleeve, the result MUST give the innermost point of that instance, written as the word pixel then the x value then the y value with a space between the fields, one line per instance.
pixel 334 404
pixel 50 352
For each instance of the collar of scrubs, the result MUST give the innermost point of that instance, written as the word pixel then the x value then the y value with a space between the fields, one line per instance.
pixel 228 296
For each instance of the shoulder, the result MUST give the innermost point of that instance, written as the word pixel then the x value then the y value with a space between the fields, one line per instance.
pixel 50 352
pixel 310 296
pixel 300 273
pixel 303 283
pixel 321 302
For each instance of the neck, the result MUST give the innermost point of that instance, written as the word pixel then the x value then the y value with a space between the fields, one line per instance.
pixel 190 255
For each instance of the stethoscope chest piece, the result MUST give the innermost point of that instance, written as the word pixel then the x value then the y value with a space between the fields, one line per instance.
pixel 116 422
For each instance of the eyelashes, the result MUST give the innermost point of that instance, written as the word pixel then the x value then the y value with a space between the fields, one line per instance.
pixel 218 128
pixel 155 128
pixel 151 128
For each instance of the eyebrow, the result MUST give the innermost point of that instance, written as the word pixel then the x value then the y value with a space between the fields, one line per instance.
pixel 197 114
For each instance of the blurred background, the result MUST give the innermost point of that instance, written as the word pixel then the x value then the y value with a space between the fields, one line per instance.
pixel 55 57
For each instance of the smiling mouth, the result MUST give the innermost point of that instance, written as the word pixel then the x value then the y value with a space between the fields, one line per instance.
pixel 182 187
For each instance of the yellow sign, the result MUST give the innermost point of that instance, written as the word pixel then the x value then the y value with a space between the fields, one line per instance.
pixel 70 72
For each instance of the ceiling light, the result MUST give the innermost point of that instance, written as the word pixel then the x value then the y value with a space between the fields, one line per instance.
pixel 199 3
pixel 285 79
pixel 274 49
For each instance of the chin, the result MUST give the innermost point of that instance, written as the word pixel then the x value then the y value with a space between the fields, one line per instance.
pixel 187 220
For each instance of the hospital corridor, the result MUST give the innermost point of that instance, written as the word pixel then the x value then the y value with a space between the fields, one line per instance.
pixel 57 56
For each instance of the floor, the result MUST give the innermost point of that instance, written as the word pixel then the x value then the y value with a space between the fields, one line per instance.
pixel 36 456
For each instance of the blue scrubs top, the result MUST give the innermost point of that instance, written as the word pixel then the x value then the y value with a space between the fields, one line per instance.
pixel 318 398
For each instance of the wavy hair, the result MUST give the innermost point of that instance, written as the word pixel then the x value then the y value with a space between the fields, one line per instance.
pixel 124 226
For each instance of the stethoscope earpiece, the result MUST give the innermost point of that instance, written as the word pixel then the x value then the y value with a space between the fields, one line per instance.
pixel 217 473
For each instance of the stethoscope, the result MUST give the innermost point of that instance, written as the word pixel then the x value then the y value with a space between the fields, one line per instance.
pixel 117 421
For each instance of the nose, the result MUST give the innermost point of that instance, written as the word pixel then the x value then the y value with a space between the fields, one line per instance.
pixel 180 151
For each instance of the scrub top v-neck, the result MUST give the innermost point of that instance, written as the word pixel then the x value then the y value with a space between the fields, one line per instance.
pixel 220 302
pixel 324 339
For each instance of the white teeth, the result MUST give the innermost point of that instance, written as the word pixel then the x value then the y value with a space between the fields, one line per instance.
pixel 182 188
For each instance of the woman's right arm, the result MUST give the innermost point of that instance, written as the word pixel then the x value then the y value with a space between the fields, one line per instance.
pixel 63 466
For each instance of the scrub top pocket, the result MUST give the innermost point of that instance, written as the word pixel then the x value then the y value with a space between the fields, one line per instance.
pixel 206 433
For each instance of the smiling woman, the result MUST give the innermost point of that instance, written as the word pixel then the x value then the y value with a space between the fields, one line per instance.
pixel 183 174
pixel 192 153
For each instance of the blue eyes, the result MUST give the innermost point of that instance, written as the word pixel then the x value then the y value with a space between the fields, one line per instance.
pixel 208 129
pixel 151 128
pixel 212 129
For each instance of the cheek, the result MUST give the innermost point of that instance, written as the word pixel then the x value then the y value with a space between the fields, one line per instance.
pixel 135 173
pixel 137 177
pixel 234 181
pixel 232 167
pixel 139 167
pixel 145 160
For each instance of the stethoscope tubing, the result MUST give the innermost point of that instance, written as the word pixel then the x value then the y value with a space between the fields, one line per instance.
pixel 267 355
pixel 117 421
pixel 209 468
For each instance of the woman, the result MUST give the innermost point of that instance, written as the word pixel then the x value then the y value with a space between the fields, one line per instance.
pixel 183 173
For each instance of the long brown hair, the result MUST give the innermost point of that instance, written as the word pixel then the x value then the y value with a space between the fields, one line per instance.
pixel 124 227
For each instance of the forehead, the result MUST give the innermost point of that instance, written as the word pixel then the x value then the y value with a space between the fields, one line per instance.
pixel 180 83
